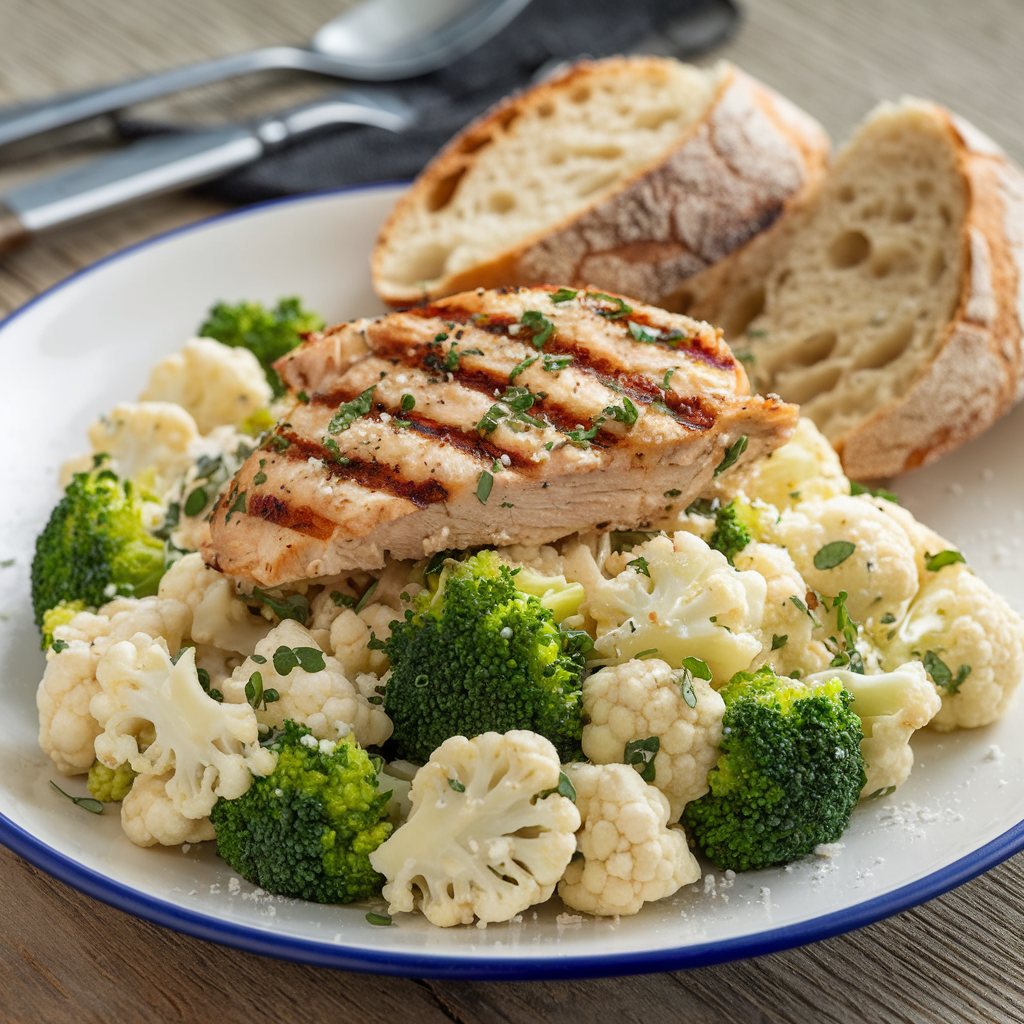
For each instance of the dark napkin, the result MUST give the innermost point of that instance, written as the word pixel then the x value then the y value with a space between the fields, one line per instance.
pixel 546 31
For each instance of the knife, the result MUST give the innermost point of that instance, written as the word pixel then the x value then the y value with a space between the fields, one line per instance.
pixel 168 162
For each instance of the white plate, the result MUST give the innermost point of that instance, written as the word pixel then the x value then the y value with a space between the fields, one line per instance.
pixel 88 343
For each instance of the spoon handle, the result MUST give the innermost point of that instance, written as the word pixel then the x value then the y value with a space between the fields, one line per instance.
pixel 26 120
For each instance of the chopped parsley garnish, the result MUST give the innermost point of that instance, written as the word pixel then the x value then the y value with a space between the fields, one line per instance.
pixel 260 477
pixel 303 397
pixel 382 920
pixel 640 754
pixel 541 326
pixel 507 504
pixel 278 442
pixel 365 599
pixel 941 674
pixel 257 697
pixel 665 380
pixel 563 295
pixel 621 309
pixel 692 668
pixel 87 803
pixel 204 681
pixel 238 505
pixel 875 492
pixel 408 403
pixel 640 565
pixel 746 358
pixel 779 642
pixel 554 363
pixel 519 367
pixel 847 654
pixel 798 603
pixel 342 600
pixel 196 501
pixel 674 493
pixel 295 607
pixel 581 438
pixel 349 412
pixel 732 453
pixel 626 413
pixel 705 507
pixel 489 420
pixel 332 446
pixel 933 563
pixel 647 653
pixel 59 645
pixel 309 659
pixel 456 785
pixel 834 553
pixel 564 788
pixel 483 487
pixel 648 335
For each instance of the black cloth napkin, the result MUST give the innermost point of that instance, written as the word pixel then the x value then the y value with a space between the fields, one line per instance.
pixel 446 100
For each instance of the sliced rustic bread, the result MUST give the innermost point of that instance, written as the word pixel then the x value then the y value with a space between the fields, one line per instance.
pixel 891 306
pixel 632 172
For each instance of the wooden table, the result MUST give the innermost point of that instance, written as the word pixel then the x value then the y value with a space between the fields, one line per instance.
pixel 64 957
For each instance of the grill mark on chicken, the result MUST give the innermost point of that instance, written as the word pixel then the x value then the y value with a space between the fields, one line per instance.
pixel 688 410
pixel 486 383
pixel 300 518
pixel 498 323
pixel 369 473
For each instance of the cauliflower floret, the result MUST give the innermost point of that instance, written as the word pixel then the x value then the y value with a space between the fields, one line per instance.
pixel 67 729
pixel 217 384
pixel 544 559
pixel 787 642
pixel 678 597
pixel 324 700
pixel 219 616
pixel 924 540
pixel 629 856
pixel 879 575
pixel 149 817
pixel 350 634
pixel 213 747
pixel 147 441
pixel 488 834
pixel 891 706
pixel 640 699
pixel 806 467
pixel 971 644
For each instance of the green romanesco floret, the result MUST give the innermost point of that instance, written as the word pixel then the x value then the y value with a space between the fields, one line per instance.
pixel 307 830
pixel 111 785
pixel 478 655
pixel 788 776
pixel 94 547
pixel 731 534
pixel 267 333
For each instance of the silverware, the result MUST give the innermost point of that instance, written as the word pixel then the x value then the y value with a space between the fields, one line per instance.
pixel 380 40
pixel 167 162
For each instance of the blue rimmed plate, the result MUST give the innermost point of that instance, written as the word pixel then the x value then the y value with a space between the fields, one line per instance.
pixel 88 343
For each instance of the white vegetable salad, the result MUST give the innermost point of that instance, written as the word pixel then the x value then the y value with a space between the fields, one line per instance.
pixel 473 734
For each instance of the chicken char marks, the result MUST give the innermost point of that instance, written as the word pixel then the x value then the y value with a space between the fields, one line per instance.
pixel 488 418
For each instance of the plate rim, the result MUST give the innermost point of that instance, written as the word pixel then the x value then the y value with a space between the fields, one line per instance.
pixel 368 959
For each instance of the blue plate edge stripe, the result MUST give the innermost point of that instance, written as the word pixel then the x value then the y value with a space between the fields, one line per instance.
pixel 323 954
pixel 258 941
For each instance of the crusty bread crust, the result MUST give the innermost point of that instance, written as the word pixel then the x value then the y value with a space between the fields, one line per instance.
pixel 976 374
pixel 751 156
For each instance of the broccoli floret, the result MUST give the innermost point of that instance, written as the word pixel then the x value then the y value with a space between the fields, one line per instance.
pixel 94 547
pixel 478 655
pixel 267 333
pixel 730 535
pixel 111 785
pixel 308 828
pixel 788 775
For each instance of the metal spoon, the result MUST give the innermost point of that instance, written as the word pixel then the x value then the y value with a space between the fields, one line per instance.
pixel 167 162
pixel 380 40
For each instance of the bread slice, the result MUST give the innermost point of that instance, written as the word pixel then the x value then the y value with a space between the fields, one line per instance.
pixel 636 172
pixel 890 307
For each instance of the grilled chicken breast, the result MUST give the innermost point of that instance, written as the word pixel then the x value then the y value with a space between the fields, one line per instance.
pixel 488 418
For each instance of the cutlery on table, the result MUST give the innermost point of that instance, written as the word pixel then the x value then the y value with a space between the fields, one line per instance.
pixel 379 40
pixel 167 162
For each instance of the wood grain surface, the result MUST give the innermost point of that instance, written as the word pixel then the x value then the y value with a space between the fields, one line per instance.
pixel 66 958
